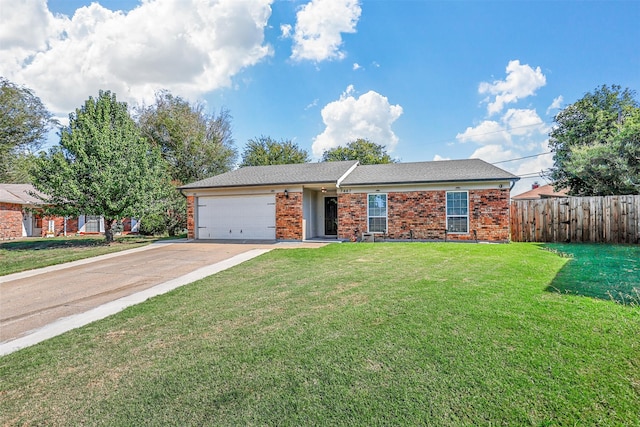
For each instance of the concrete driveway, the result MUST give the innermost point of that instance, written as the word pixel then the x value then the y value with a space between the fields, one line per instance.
pixel 32 300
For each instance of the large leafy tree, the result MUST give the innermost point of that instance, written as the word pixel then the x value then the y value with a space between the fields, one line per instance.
pixel 24 125
pixel 102 166
pixel 195 144
pixel 366 152
pixel 265 151
pixel 596 144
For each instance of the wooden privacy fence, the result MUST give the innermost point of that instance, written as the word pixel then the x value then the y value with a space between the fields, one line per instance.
pixel 608 219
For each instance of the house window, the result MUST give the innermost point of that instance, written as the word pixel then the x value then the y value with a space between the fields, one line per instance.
pixel 377 213
pixel 92 224
pixel 457 212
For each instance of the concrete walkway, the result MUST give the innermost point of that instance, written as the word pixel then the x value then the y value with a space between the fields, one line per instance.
pixel 40 304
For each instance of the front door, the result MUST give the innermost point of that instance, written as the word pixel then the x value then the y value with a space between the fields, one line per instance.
pixel 331 216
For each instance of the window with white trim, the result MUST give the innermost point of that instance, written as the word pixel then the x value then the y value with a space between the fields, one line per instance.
pixel 458 212
pixel 377 212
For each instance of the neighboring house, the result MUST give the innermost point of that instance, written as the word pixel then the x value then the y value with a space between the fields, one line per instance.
pixel 541 192
pixel 454 200
pixel 21 216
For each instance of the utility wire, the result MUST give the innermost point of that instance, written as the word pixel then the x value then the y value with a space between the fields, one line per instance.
pixel 520 158
pixel 533 174
pixel 487 133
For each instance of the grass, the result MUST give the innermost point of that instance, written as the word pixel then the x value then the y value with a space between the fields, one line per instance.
pixel 27 254
pixel 351 334
pixel 609 272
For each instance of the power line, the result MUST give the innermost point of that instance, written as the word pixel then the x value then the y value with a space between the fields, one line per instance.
pixel 502 130
pixel 534 174
pixel 521 158
pixel 488 133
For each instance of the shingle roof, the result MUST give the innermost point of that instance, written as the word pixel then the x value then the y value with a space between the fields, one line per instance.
pixel 303 173
pixel 424 172
pixel 18 194
pixel 542 192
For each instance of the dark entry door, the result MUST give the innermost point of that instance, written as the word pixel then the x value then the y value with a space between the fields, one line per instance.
pixel 331 216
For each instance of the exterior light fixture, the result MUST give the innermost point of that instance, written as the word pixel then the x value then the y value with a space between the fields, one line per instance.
pixel 286 194
pixel 324 190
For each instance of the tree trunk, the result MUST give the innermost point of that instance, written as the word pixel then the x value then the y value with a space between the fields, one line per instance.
pixel 108 230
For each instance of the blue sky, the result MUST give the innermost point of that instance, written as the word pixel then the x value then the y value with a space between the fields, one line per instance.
pixel 429 79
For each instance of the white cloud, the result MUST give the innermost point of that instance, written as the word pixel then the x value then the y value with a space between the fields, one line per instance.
pixel 523 122
pixel 513 123
pixel 487 132
pixel 556 104
pixel 521 81
pixel 188 47
pixel 313 103
pixel 532 169
pixel 538 163
pixel 319 28
pixel 369 116
pixel 493 153
pixel 285 30
pixel 25 24
pixel 356 66
pixel 438 158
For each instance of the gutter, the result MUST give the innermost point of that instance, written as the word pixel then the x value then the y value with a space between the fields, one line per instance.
pixel 513 180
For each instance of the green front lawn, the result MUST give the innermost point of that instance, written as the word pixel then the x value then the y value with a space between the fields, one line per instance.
pixel 439 334
pixel 27 254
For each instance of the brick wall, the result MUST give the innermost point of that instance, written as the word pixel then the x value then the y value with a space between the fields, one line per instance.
pixel 352 215
pixel 58 221
pixel 489 214
pixel 289 216
pixel 191 219
pixel 422 215
pixel 10 221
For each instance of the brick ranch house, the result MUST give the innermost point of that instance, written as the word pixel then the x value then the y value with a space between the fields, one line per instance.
pixel 20 216
pixel 444 200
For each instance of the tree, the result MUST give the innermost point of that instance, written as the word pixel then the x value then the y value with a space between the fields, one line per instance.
pixel 194 144
pixel 24 125
pixel 102 166
pixel 264 151
pixel 366 152
pixel 596 144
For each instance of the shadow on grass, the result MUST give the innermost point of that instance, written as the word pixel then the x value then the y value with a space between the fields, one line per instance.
pixel 69 242
pixel 608 272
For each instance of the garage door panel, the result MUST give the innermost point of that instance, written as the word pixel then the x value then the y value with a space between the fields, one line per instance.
pixel 237 217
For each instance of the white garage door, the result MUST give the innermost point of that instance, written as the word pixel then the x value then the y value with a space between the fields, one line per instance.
pixel 237 217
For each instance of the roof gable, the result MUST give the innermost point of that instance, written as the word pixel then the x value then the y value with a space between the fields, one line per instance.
pixel 300 173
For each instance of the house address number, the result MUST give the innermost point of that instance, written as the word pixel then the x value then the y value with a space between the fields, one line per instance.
pixel 345 190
